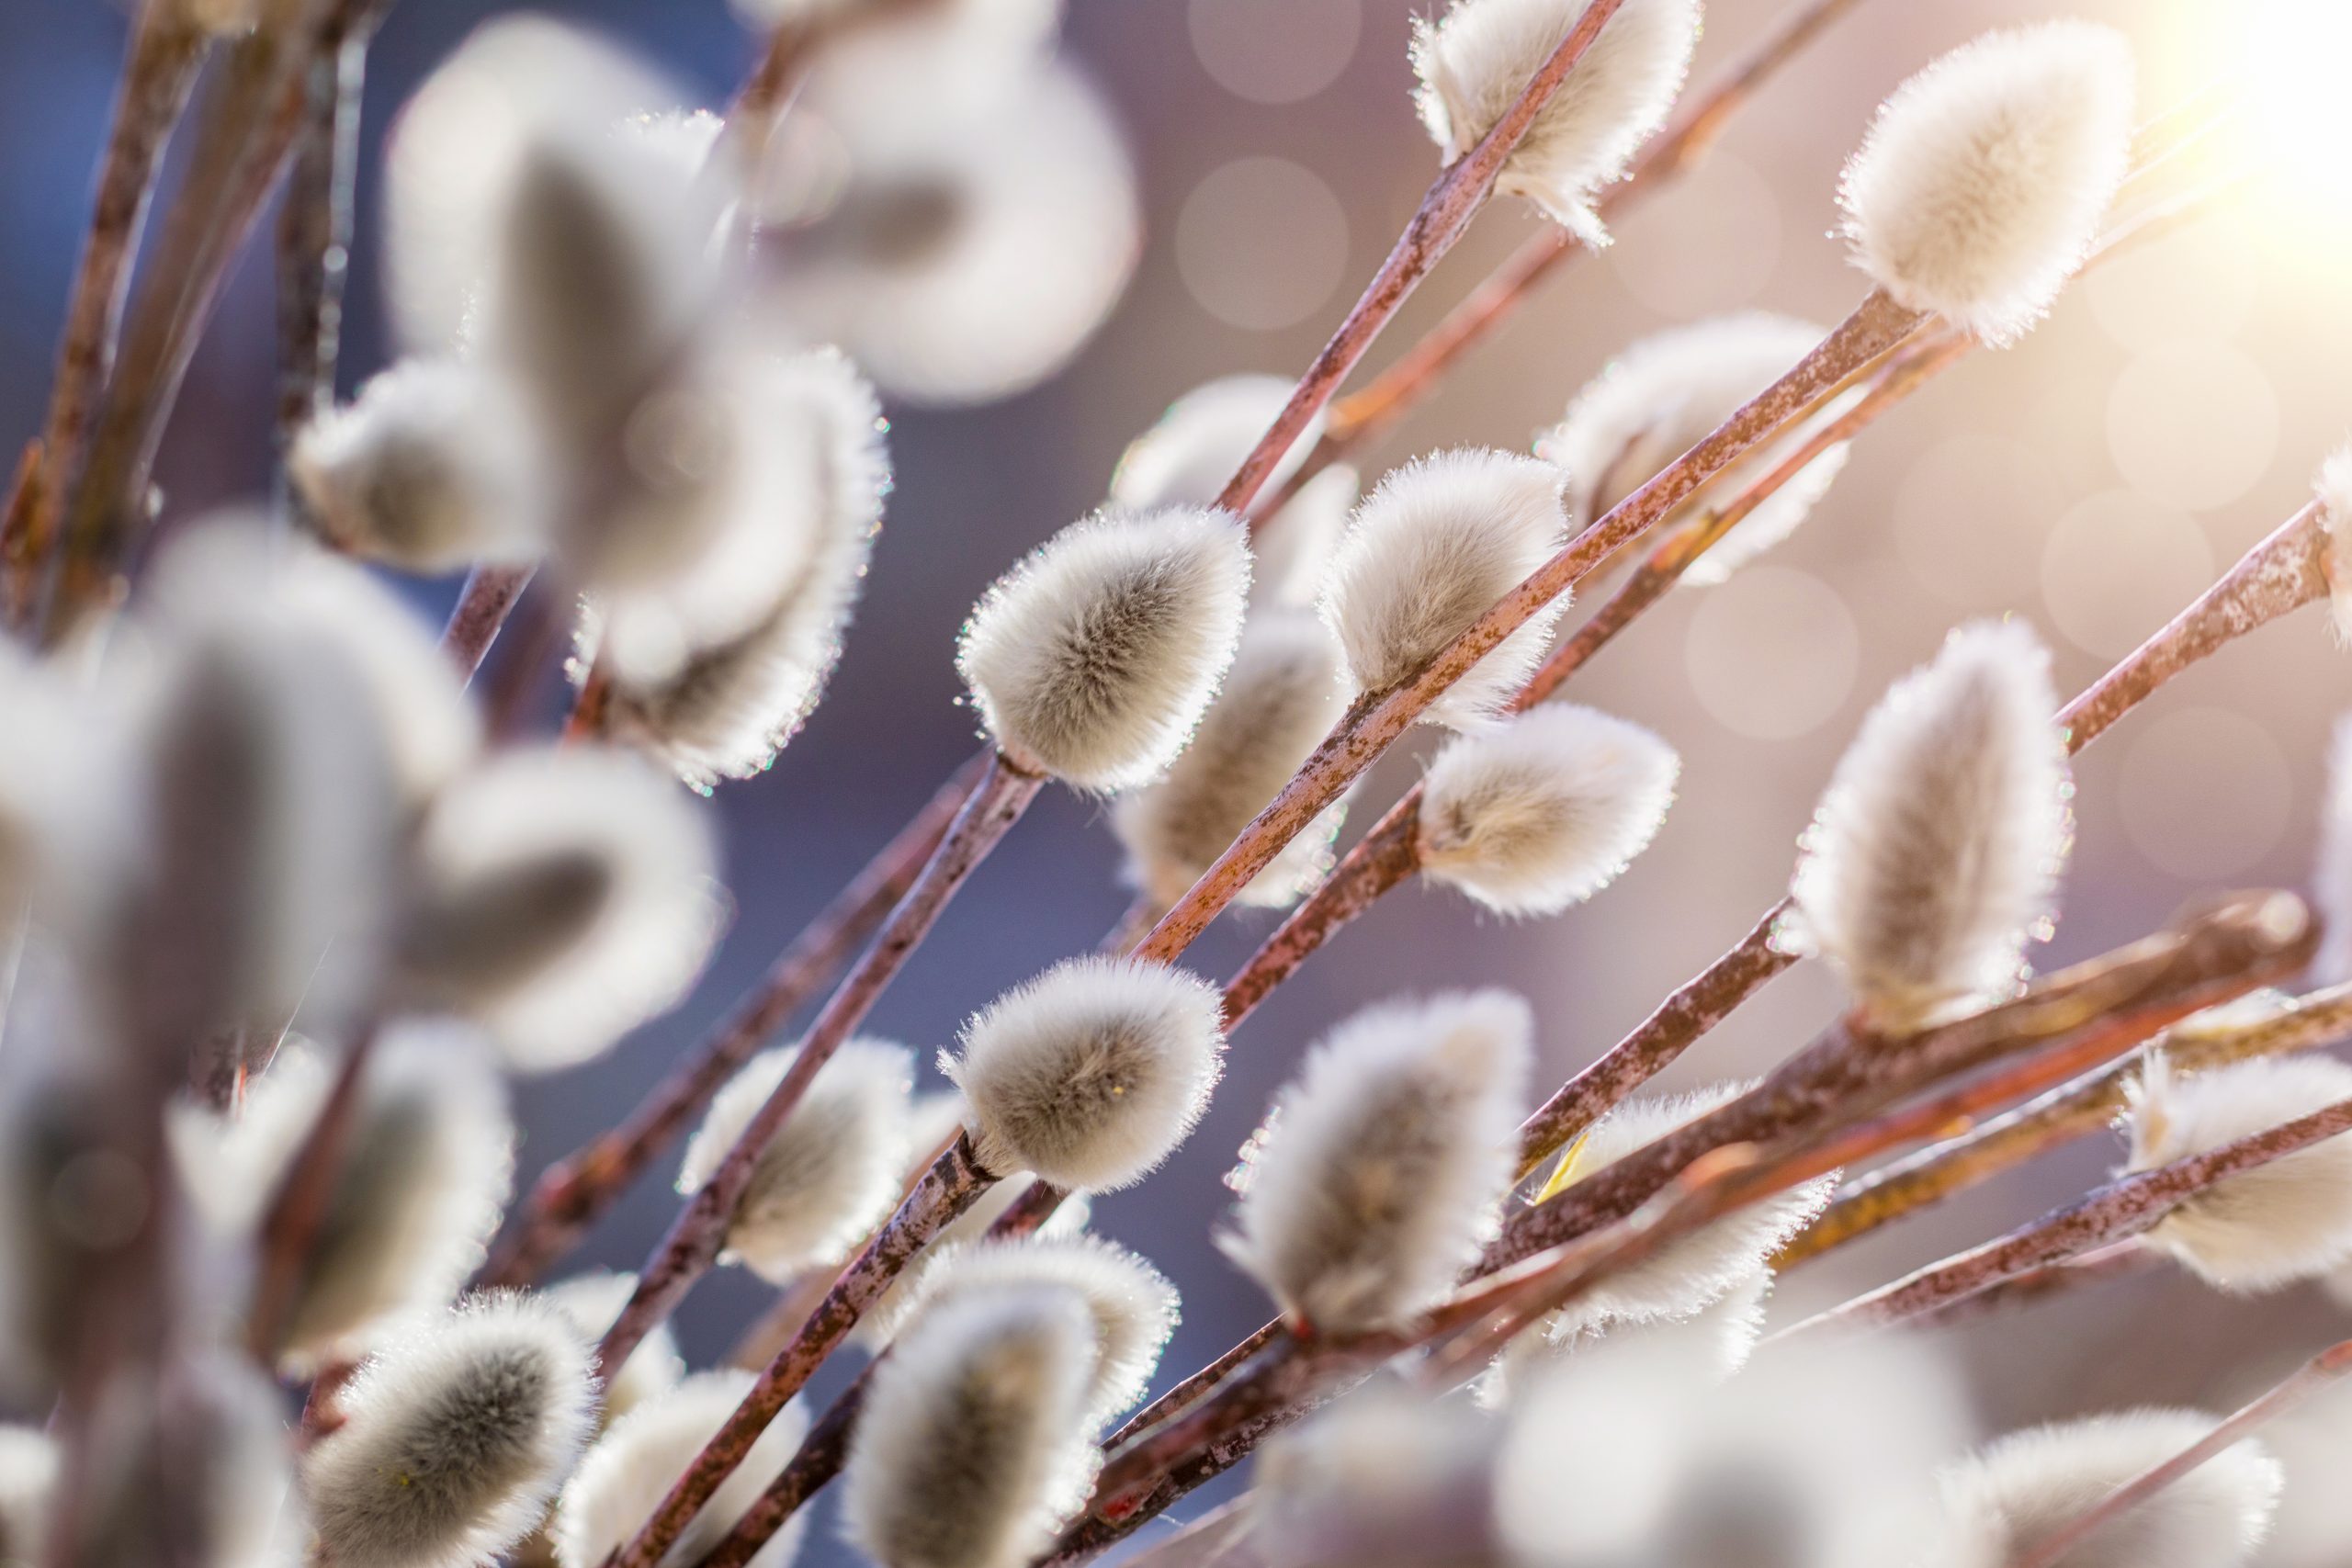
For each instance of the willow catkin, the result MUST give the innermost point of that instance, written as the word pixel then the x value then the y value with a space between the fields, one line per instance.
pixel 627 1470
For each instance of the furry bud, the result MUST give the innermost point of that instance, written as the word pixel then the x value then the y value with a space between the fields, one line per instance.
pixel 1475 62
pixel 1279 699
pixel 427 1164
pixel 1668 392
pixel 1096 656
pixel 1386 1475
pixel 2017 1489
pixel 563 899
pixel 1545 809
pixel 625 1475
pixel 29 1465
pixel 1428 553
pixel 1092 1073
pixel 832 1170
pixel 454 1440
pixel 2334 489
pixel 972 252
pixel 972 1445
pixel 184 1462
pixel 432 467
pixel 1133 1307
pixel 1704 1268
pixel 591 1302
pixel 1984 179
pixel 727 709
pixel 1936 849
pixel 2262 1229
pixel 1369 1187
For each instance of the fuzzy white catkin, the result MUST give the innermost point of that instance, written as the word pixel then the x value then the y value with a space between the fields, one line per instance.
pixel 591 1302
pixel 1664 395
pixel 1091 1074
pixel 2332 869
pixel 2016 1490
pixel 1097 656
pixel 831 1171
pixel 2334 489
pixel 1703 1268
pixel 972 252
pixel 726 710
pixel 2262 1229
pixel 427 1166
pixel 1382 1164
pixel 29 1465
pixel 1384 1475
pixel 565 898
pixel 972 1445
pixel 1474 62
pixel 1545 809
pixel 432 467
pixel 455 1439
pixel 628 1472
pixel 1132 1305
pixel 69 813
pixel 1199 444
pixel 1936 848
pixel 1428 552
pixel 1985 177
pixel 189 1464
pixel 1279 699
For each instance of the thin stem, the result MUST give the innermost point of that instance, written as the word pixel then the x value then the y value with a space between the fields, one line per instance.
pixel 774 1330
pixel 2319 1372
pixel 167 48
pixel 1387 857
pixel 1181 1397
pixel 2127 1207
pixel 694 1241
pixel 299 1210
pixel 1444 216
pixel 2124 1261
pixel 952 1185
pixel 314 227
pixel 576 1191
pixel 1376 722
pixel 822 1452
pixel 482 606
pixel 2075 1111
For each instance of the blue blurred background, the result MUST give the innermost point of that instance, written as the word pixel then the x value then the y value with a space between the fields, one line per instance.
pixel 2091 479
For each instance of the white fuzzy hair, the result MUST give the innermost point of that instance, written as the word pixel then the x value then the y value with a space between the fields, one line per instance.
pixel 1475 62
pixel 2263 1229
pixel 1717 1339
pixel 1134 1306
pixel 1545 809
pixel 1428 552
pixel 726 711
pixel 236 570
pixel 1279 699
pixel 2016 1489
pixel 427 1166
pixel 1704 1268
pixel 1985 177
pixel 1664 395
pixel 565 898
pixel 1936 848
pixel 972 1446
pixel 1091 1074
pixel 591 1302
pixel 628 1472
pixel 222 18
pixel 1382 1164
pixel 434 466
pixel 1386 1475
pixel 29 1466
pixel 975 252
pixel 1097 655
pixel 1185 459
pixel 455 1439
pixel 2332 867
pixel 2334 488
pixel 831 1171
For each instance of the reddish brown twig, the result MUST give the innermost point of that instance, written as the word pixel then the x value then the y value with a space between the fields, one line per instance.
pixel 167 48
pixel 2319 1372
pixel 2125 1261
pixel 2072 1112
pixel 482 606
pixel 572 1193
pixel 694 1241
pixel 2127 1207
pixel 952 1185
pixel 314 226
pixel 820 1459
pixel 299 1207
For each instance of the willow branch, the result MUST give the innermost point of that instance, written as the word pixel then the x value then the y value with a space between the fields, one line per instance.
pixel 2124 1261
pixel 2075 1111
pixel 314 227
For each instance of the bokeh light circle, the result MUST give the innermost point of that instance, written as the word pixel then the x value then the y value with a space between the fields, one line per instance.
pixel 2117 567
pixel 1772 653
pixel 1274 51
pixel 1261 242
pixel 2205 792
pixel 2192 424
